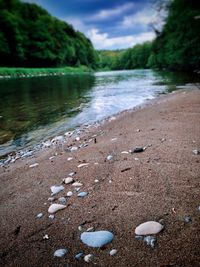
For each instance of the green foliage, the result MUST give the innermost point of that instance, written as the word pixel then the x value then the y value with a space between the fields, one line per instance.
pixel 178 45
pixel 31 37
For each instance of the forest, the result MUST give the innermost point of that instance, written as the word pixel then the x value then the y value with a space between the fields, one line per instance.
pixel 31 37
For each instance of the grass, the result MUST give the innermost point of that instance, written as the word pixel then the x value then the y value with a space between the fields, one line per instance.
pixel 33 72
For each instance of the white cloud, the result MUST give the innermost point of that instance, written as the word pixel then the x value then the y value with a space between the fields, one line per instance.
pixel 142 18
pixel 103 41
pixel 77 24
pixel 108 13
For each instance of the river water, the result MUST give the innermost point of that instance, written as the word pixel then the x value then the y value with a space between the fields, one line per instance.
pixel 35 109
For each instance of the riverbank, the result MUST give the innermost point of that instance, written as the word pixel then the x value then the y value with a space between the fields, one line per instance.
pixel 124 190
pixel 6 73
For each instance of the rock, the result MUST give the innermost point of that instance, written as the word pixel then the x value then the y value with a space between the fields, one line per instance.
pixel 33 165
pixel 148 228
pixel 77 184
pixel 72 173
pixel 198 208
pixel 150 241
pixel 114 139
pixel 56 207
pixel 69 159
pixel 113 252
pixel 196 152
pixel 77 138
pixel 88 258
pixel 51 199
pixel 137 150
pixel 39 215
pixel 187 219
pixel 78 255
pixel 45 237
pixel 51 158
pixel 69 194
pixel 68 180
pixel 97 239
pixel 82 194
pixel 62 200
pixel 60 252
pixel 51 216
pixel 55 189
pixel 109 157
pixel 124 152
pixel 82 165
pixel 96 180
pixel 90 229
pixel 74 148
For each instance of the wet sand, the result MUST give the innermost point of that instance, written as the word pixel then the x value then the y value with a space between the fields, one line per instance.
pixel 160 183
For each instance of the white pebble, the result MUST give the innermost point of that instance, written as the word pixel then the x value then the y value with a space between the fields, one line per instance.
pixel 77 184
pixel 39 215
pixel 51 216
pixel 56 207
pixel 45 237
pixel 82 165
pixel 88 258
pixel 124 152
pixel 68 180
pixel 113 252
pixel 109 157
pixel 33 165
pixel 148 228
pixel 69 194
pixel 96 180
pixel 60 252
pixel 70 158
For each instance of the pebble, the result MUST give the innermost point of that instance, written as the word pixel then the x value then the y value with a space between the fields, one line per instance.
pixel 82 165
pixel 33 165
pixel 51 216
pixel 109 157
pixel 80 228
pixel 88 258
pixel 137 150
pixel 78 256
pixel 113 252
pixel 45 237
pixel 196 152
pixel 39 215
pixel 96 180
pixel 148 228
pixel 74 148
pixel 97 239
pixel 124 152
pixel 77 184
pixel 150 241
pixel 114 139
pixel 69 194
pixel 68 180
pixel 70 158
pixel 199 208
pixel 72 173
pixel 56 207
pixel 62 200
pixel 90 229
pixel 187 219
pixel 51 157
pixel 60 252
pixel 82 194
pixel 77 138
pixel 51 199
pixel 55 189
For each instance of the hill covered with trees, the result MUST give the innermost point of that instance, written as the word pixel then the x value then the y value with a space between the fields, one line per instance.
pixel 31 37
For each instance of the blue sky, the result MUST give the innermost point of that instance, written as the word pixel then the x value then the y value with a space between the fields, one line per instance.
pixel 110 24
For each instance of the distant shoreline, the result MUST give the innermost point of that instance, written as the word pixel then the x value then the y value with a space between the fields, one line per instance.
pixel 8 73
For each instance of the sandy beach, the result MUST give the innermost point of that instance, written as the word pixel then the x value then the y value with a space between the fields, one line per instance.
pixel 159 184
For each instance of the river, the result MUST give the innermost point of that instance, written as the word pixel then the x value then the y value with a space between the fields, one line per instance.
pixel 35 109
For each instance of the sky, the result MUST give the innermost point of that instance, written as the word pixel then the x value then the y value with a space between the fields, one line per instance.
pixel 109 24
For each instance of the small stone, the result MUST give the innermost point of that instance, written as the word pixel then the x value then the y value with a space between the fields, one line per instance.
pixel 78 255
pixel 96 180
pixel 80 228
pixel 97 239
pixel 196 152
pixel 138 130
pixel 150 241
pixel 90 229
pixel 114 139
pixel 88 258
pixel 124 152
pixel 198 208
pixel 113 252
pixel 187 219
pixel 62 200
pixel 51 199
pixel 45 237
pixel 72 173
pixel 82 165
pixel 74 148
pixel 60 252
pixel 33 165
pixel 77 184
pixel 70 158
pixel 51 158
pixel 55 189
pixel 56 207
pixel 68 180
pixel 69 194
pixel 109 157
pixel 51 216
pixel 39 215
pixel 148 228
pixel 138 150
pixel 77 138
pixel 82 194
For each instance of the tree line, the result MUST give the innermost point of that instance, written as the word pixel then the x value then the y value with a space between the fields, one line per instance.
pixel 31 37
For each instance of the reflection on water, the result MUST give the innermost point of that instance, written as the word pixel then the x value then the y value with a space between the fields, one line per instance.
pixel 35 109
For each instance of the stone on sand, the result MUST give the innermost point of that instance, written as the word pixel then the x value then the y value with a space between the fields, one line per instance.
pixel 148 228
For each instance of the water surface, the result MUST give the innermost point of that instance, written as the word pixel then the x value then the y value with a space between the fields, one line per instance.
pixel 35 109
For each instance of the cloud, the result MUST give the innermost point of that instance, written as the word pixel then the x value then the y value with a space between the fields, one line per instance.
pixel 110 13
pixel 103 41
pixel 142 18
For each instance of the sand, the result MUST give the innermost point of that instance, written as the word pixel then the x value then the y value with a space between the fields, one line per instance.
pixel 161 183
